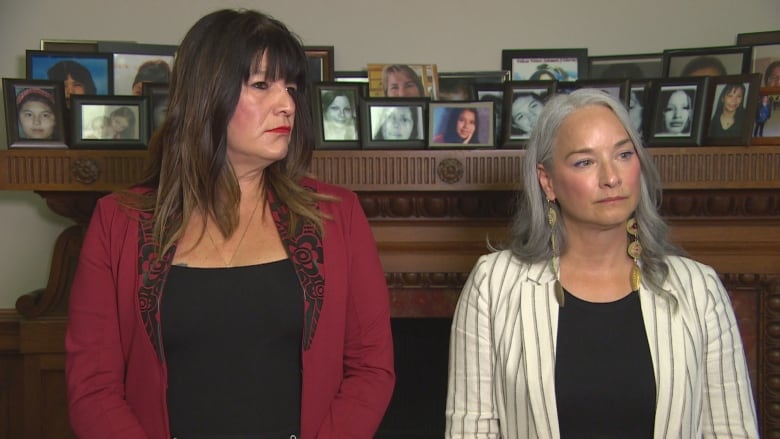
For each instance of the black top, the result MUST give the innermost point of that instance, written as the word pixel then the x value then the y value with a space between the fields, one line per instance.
pixel 232 340
pixel 604 381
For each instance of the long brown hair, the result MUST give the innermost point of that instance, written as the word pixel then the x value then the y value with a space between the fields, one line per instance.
pixel 188 169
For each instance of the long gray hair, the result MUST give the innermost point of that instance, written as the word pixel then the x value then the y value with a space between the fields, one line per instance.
pixel 529 238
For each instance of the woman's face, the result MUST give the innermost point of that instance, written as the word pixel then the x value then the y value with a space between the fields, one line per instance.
pixel 37 120
pixel 677 112
pixel 340 110
pixel 73 87
pixel 635 111
pixel 525 111
pixel 399 124
pixel 466 125
pixel 733 100
pixel 400 84
pixel 119 123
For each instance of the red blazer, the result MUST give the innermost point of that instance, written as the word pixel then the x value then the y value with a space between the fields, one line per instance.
pixel 115 366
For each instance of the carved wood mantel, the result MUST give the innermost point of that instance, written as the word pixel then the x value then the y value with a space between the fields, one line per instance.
pixel 432 211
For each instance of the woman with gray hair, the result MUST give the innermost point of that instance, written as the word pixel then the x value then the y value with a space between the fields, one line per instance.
pixel 591 323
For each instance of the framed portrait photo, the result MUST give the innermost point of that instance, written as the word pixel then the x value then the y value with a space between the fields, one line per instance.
pixel 640 66
pixel 493 93
pixel 463 124
pixel 459 86
pixel 81 73
pixel 394 123
pixel 732 102
pixel 403 81
pixel 157 97
pixel 545 64
pixel 766 127
pixel 523 101
pixel 321 66
pixel 136 63
pixel 34 113
pixel 109 122
pixel 678 111
pixel 766 62
pixel 639 105
pixel 706 61
pixel 335 110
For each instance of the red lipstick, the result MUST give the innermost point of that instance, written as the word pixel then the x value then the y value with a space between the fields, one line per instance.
pixel 280 130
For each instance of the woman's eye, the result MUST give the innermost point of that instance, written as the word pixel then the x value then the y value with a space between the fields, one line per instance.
pixel 260 85
pixel 581 163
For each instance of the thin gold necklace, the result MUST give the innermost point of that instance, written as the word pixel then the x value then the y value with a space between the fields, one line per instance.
pixel 229 263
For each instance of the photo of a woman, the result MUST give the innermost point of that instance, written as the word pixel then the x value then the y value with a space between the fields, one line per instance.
pixel 728 115
pixel 526 106
pixel 338 115
pixel 676 115
pixel 37 116
pixel 458 126
pixel 396 123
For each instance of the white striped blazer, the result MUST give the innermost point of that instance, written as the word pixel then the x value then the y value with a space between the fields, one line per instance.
pixel 501 380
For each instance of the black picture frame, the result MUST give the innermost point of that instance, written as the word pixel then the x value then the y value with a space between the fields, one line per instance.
pixel 158 98
pixel 635 66
pixel 767 130
pixel 136 63
pixel 740 132
pixel 520 117
pixel 35 114
pixel 425 76
pixel 706 61
pixel 459 86
pixel 640 105
pixel 374 112
pixel 684 124
pixel 493 93
pixel 618 88
pixel 87 110
pixel 334 104
pixel 321 67
pixel 442 124
pixel 56 45
pixel 360 76
pixel 545 64
pixel 91 69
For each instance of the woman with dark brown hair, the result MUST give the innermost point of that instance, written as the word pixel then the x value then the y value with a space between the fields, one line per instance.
pixel 229 294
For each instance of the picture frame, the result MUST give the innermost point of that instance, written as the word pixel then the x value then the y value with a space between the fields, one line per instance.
pixel 158 98
pixel 523 101
pixel 545 64
pixel 724 92
pixel 91 73
pixel 459 86
pixel 136 63
pixel 450 122
pixel 618 88
pixel 35 113
pixel 678 111
pixel 69 46
pixel 754 38
pixel 360 76
pixel 321 68
pixel 336 115
pixel 109 122
pixel 405 80
pixel 409 116
pixel 493 93
pixel 706 61
pixel 766 128
pixel 639 105
pixel 765 61
pixel 637 66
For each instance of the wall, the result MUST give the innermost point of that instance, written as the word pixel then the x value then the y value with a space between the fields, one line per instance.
pixel 454 36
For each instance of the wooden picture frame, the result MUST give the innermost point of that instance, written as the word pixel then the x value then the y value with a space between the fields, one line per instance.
pixel 678 111
pixel 158 98
pixel 321 68
pixel 336 114
pixel 706 61
pixel 523 101
pixel 87 73
pixel 394 123
pixel 545 64
pixel 109 122
pixel 404 81
pixel 34 113
pixel 755 38
pixel 452 123
pixel 722 93
pixel 459 86
pixel 136 63
pixel 638 66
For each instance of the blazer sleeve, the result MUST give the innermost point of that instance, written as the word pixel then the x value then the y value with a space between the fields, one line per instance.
pixel 94 362
pixel 470 411
pixel 729 408
pixel 369 375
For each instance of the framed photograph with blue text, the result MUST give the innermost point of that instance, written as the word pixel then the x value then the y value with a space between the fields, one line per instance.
pixel 545 64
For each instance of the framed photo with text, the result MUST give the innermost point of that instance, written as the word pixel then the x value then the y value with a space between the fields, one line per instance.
pixel 732 102
pixel 34 113
pixel 336 116
pixel 109 122
pixel 678 111
pixel 462 124
pixel 545 64
pixel 394 123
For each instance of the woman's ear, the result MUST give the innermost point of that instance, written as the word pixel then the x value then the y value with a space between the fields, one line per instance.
pixel 545 181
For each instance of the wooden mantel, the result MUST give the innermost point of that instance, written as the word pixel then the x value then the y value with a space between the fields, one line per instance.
pixel 431 212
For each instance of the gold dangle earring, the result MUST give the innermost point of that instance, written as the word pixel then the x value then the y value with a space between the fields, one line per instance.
pixel 552 219
pixel 634 251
